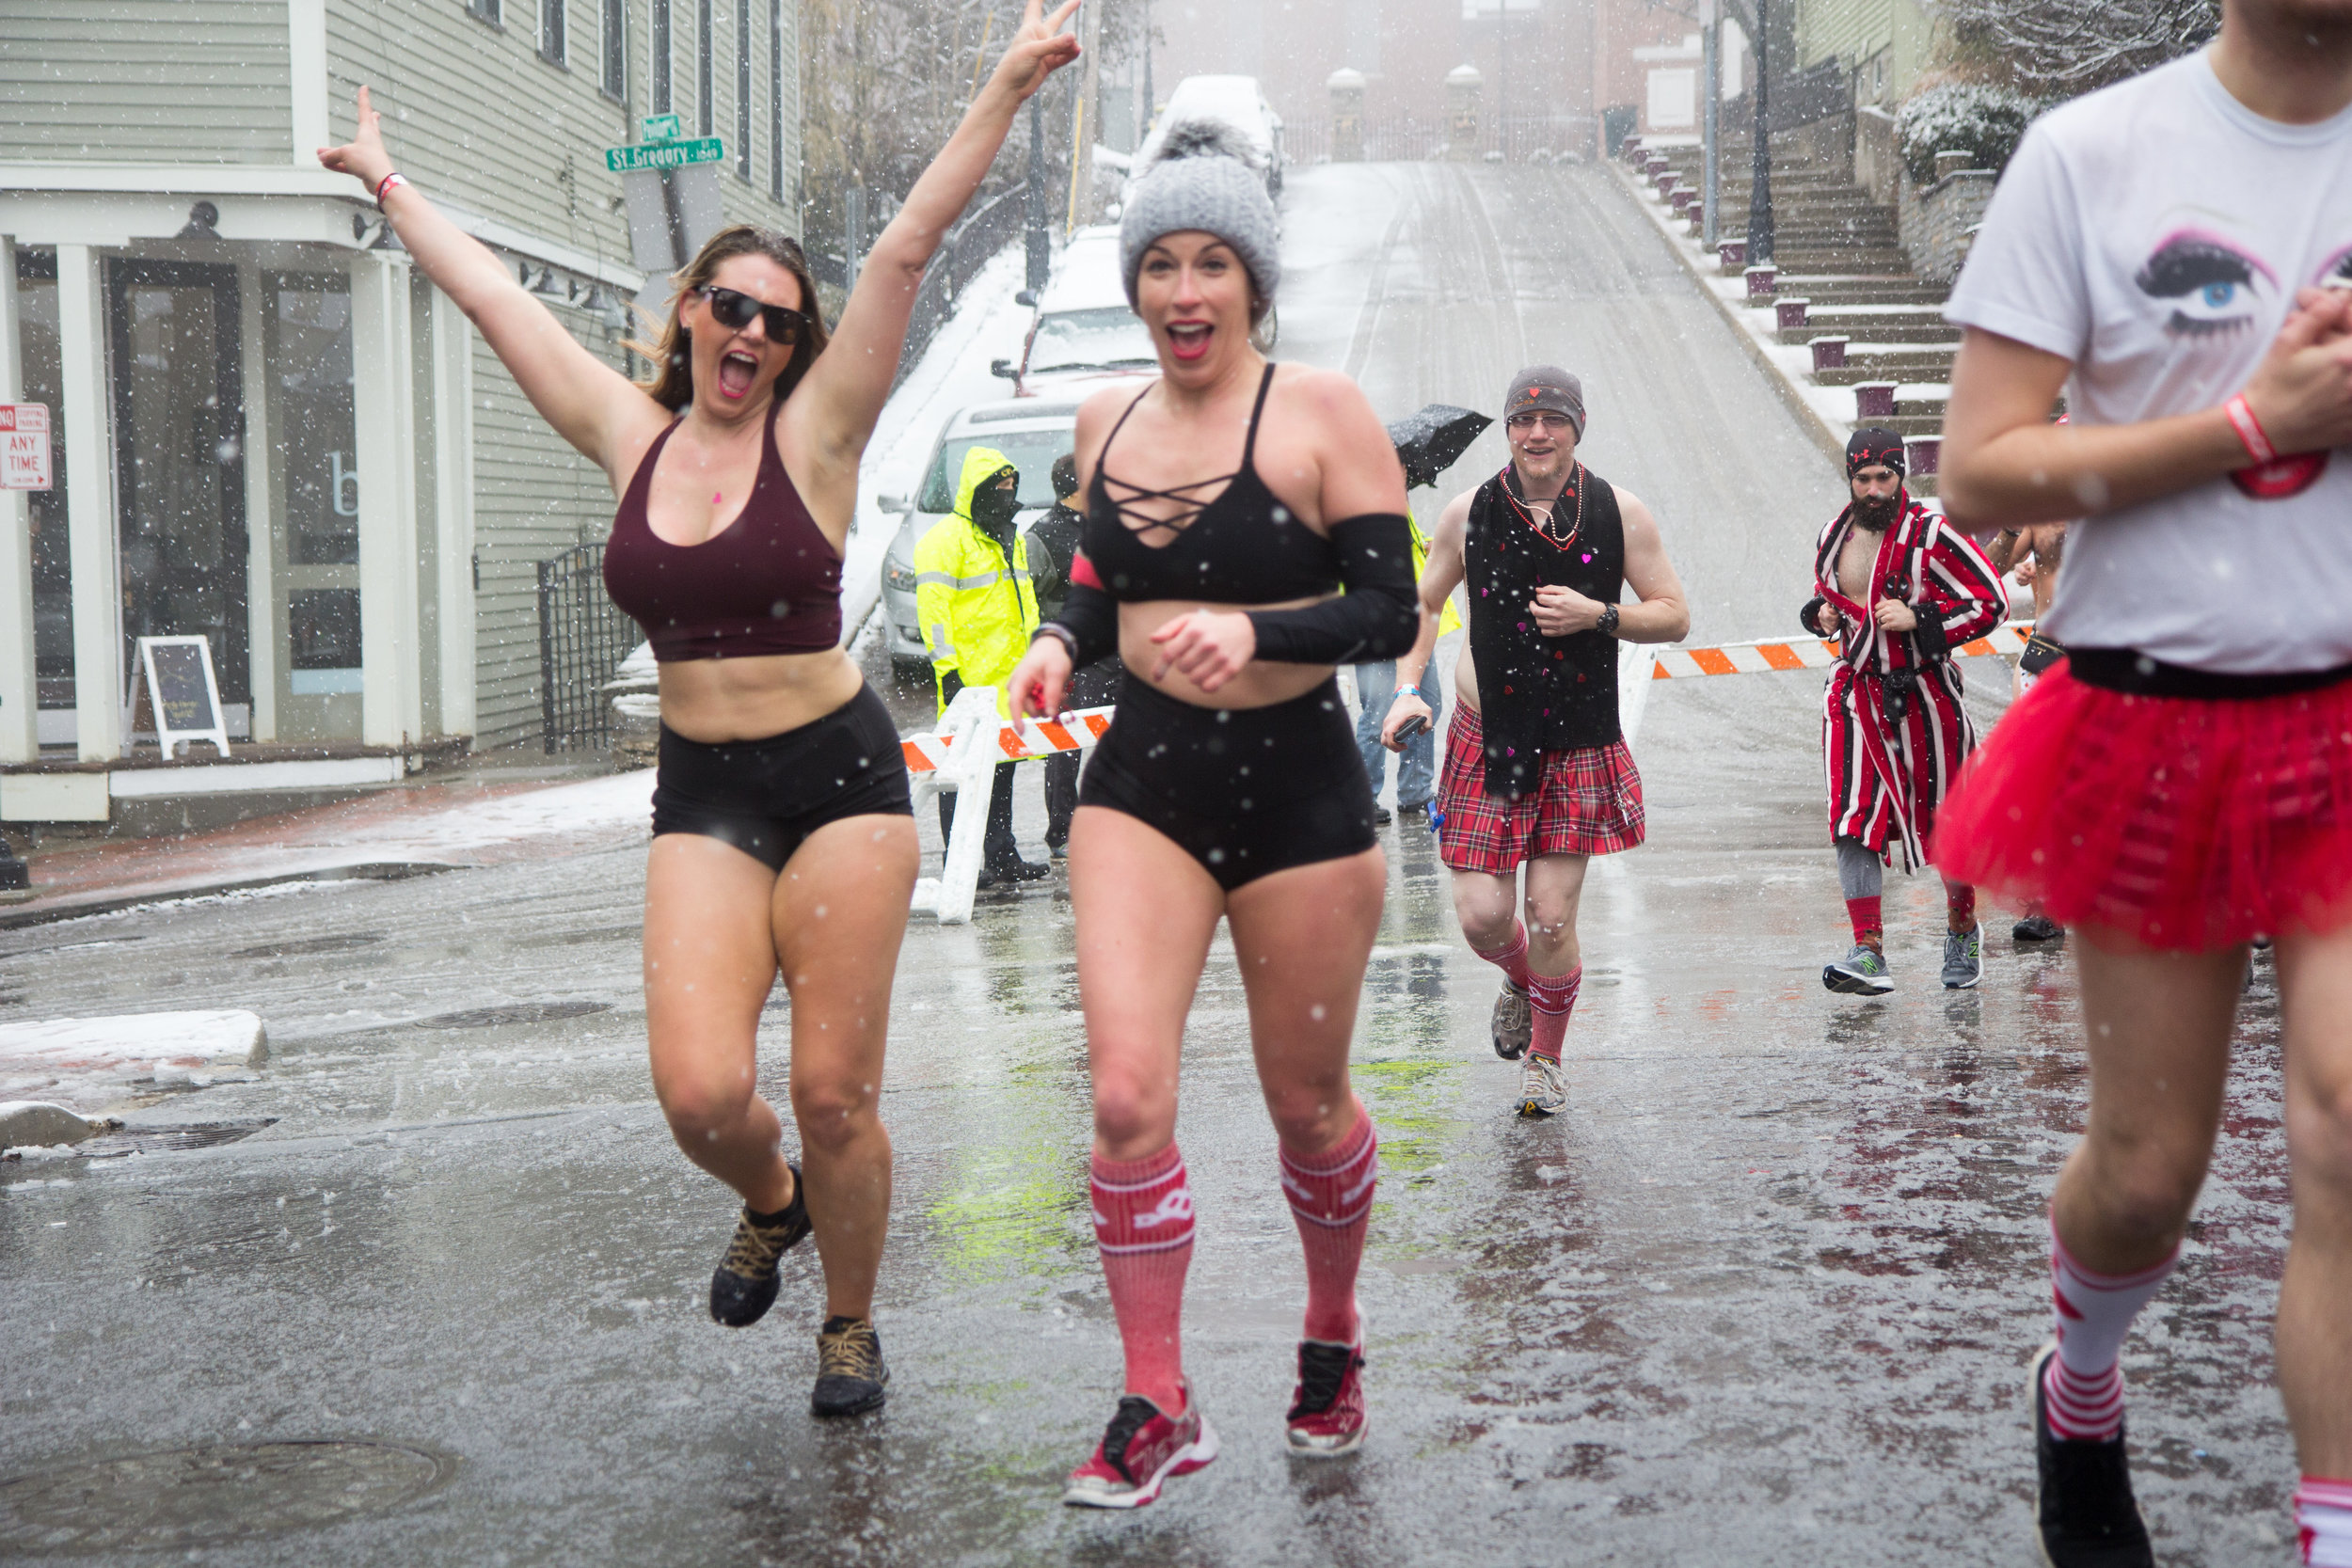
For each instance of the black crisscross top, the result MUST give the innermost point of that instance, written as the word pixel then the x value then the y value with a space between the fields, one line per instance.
pixel 1239 546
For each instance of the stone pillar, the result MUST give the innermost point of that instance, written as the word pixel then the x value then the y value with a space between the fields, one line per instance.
pixel 1347 87
pixel 1462 86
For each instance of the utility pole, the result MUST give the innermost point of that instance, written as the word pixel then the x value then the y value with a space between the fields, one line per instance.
pixel 1760 189
pixel 854 239
pixel 1711 84
pixel 1041 257
pixel 1150 104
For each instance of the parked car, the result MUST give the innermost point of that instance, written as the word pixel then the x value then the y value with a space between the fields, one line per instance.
pixel 1084 332
pixel 1238 102
pixel 1031 432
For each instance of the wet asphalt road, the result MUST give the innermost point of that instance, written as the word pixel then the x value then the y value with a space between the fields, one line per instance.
pixel 1764 1295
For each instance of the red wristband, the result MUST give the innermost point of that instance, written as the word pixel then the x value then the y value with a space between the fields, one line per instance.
pixel 2249 430
pixel 394 178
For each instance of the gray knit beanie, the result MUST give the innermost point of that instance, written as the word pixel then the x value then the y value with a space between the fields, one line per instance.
pixel 1203 177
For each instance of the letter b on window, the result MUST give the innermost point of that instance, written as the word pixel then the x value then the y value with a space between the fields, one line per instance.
pixel 341 477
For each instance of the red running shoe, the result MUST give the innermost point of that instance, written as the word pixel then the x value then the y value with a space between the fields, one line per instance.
pixel 1139 1449
pixel 1327 1417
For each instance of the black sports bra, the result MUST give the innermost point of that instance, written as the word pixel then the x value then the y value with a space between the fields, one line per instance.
pixel 1242 546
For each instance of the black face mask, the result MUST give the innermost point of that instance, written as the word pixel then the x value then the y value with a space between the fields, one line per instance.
pixel 992 509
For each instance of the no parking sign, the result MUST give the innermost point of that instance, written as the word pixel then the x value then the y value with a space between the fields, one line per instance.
pixel 24 446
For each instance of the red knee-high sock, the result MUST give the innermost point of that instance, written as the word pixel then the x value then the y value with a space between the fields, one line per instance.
pixel 1869 929
pixel 2084 1381
pixel 2323 1522
pixel 1554 998
pixel 1330 1197
pixel 1144 1223
pixel 1960 906
pixel 1510 958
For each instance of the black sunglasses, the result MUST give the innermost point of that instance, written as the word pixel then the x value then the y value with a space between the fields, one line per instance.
pixel 734 311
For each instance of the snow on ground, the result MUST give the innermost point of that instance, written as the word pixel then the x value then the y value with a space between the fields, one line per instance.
pixel 953 371
pixel 89 1063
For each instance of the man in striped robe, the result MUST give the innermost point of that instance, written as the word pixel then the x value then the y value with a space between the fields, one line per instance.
pixel 1901 590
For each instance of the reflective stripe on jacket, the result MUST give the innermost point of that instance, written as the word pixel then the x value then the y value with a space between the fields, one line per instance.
pixel 976 609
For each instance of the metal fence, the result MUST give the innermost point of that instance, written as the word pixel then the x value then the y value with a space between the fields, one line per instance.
pixel 968 248
pixel 582 639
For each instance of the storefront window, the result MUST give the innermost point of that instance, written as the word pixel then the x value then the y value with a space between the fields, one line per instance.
pixel 310 370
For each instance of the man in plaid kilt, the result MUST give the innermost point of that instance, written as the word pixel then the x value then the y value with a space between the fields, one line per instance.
pixel 1902 589
pixel 1536 771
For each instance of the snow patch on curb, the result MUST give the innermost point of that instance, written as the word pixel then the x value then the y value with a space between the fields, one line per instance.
pixel 96 1060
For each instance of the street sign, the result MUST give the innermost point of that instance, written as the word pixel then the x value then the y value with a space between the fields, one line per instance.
pixel 662 127
pixel 24 446
pixel 665 155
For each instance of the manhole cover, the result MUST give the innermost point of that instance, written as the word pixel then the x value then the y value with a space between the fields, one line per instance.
pixel 309 945
pixel 163 1140
pixel 527 1012
pixel 200 1497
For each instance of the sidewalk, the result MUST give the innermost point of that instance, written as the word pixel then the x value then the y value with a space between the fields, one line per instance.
pixel 484 818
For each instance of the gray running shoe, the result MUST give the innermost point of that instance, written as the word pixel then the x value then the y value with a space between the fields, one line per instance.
pixel 1964 957
pixel 1860 973
pixel 1543 1088
pixel 1514 1023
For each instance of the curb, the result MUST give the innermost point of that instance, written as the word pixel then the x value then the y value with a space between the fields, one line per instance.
pixel 1825 435
pixel 373 871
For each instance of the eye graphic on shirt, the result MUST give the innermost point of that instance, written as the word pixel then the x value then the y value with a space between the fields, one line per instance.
pixel 2337 272
pixel 2218 287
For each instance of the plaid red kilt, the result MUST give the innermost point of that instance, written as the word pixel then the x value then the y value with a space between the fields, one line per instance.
pixel 1589 804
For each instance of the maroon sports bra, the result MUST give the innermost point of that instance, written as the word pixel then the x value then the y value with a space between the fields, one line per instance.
pixel 770 583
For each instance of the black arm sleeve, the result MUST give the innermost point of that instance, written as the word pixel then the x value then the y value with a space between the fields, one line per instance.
pixel 1378 616
pixel 1090 616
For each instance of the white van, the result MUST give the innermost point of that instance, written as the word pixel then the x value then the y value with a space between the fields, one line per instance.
pixel 1239 102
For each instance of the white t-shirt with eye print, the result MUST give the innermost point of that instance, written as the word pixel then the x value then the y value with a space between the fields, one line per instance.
pixel 2154 233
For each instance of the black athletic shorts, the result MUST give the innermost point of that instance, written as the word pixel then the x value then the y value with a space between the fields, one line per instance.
pixel 766 795
pixel 1243 791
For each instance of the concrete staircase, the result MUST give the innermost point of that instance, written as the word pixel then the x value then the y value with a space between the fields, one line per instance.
pixel 1842 275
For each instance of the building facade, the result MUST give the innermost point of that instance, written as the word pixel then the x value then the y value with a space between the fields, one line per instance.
pixel 269 429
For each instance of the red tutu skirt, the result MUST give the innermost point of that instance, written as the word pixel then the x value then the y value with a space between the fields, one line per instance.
pixel 2179 822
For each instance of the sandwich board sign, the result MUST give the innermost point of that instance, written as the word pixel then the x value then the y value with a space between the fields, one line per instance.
pixel 181 693
pixel 24 446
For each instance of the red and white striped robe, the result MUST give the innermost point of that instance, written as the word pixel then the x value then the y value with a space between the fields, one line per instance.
pixel 1882 785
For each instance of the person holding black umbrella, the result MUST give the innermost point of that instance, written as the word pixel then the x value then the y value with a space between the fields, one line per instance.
pixel 1428 443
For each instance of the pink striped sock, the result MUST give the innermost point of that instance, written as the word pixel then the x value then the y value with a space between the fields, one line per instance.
pixel 1512 958
pixel 1143 1223
pixel 1330 1197
pixel 2084 1382
pixel 1553 999
pixel 2323 1522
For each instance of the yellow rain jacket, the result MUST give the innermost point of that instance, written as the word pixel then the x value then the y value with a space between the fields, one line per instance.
pixel 1451 620
pixel 977 609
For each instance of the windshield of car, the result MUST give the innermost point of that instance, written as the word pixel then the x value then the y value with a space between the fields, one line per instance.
pixel 1032 452
pixel 1069 338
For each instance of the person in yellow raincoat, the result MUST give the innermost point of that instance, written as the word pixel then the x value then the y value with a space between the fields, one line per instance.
pixel 1375 688
pixel 978 607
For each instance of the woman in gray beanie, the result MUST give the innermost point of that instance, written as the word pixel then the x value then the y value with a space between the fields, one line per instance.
pixel 1243 497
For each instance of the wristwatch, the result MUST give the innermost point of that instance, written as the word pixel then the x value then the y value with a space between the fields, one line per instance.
pixel 1608 622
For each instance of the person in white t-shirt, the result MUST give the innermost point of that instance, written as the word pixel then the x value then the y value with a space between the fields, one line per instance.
pixel 2164 251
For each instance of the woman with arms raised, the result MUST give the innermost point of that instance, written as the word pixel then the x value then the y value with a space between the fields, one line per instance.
pixel 1240 497
pixel 783 832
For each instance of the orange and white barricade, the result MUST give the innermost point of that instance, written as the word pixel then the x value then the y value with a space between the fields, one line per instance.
pixel 971 743
pixel 1805 653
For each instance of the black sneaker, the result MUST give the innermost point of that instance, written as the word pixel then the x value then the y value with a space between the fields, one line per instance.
pixel 744 1286
pixel 850 1369
pixel 2083 1501
pixel 2036 928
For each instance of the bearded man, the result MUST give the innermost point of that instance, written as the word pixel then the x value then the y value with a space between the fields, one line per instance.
pixel 1901 589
